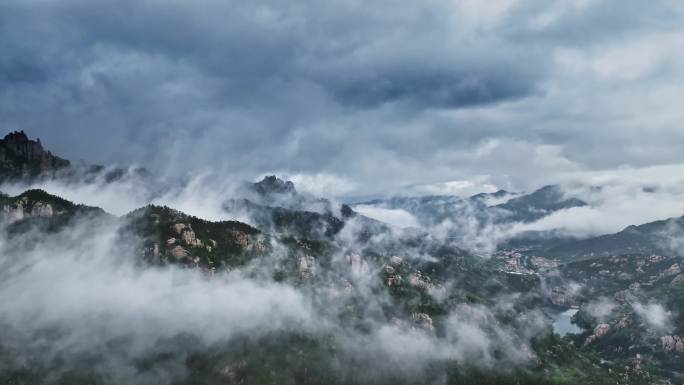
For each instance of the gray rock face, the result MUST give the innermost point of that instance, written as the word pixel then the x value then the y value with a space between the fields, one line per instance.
pixel 420 281
pixel 357 264
pixel 273 185
pixel 678 280
pixel 178 228
pixel 306 267
pixel 423 321
pixel 561 296
pixel 599 331
pixel 187 235
pixel 672 271
pixel 23 208
pixel 180 253
pixel 14 212
pixel 41 209
pixel 672 344
pixel 240 238
pixel 190 238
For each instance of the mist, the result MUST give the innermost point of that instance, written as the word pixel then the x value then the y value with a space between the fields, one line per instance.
pixel 83 293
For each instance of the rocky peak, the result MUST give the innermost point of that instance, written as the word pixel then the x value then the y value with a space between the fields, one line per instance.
pixel 19 143
pixel 274 185
pixel 533 206
pixel 21 157
pixel 347 211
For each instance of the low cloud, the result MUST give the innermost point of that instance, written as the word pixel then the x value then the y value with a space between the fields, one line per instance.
pixel 395 217
pixel 600 309
pixel 614 204
pixel 654 315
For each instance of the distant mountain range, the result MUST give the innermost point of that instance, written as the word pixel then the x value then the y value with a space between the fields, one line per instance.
pixel 487 208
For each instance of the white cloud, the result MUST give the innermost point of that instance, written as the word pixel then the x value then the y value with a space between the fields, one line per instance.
pixel 655 315
pixel 320 184
pixel 600 308
pixel 395 217
pixel 461 188
pixel 623 198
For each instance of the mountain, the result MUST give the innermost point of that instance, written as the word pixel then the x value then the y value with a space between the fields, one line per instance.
pixel 168 236
pixel 483 222
pixel 482 208
pixel 383 305
pixel 301 223
pixel 538 204
pixel 272 185
pixel 37 206
pixel 275 206
pixel 276 192
pixel 434 209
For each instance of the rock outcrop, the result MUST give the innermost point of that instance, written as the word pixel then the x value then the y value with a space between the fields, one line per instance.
pixel 186 234
pixel 21 157
pixel 306 267
pixel 561 296
pixel 672 344
pixel 180 253
pixel 420 281
pixel 678 280
pixel 599 331
pixel 423 321
pixel 357 264
pixel 42 209
pixel 274 185
pixel 26 208
pixel 241 238
pixel 14 211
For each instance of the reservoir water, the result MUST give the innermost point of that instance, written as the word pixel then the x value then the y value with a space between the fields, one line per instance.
pixel 562 323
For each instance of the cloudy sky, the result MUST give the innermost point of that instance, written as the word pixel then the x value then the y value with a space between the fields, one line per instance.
pixel 355 97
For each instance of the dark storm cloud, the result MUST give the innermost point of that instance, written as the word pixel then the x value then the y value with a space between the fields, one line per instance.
pixel 432 91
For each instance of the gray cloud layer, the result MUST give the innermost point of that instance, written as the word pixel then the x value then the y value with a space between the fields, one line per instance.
pixel 385 94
